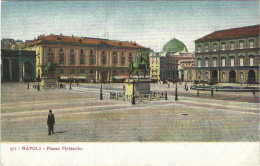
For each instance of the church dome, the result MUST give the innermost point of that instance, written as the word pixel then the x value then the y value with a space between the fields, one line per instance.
pixel 174 46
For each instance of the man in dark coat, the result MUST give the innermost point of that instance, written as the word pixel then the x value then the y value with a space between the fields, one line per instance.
pixel 50 122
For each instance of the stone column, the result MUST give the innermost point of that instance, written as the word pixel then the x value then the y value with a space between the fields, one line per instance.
pixel 21 69
pixel 97 75
pixel 118 59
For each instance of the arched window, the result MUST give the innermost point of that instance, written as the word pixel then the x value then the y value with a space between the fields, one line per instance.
pixel 251 61
pixel 206 48
pixel 241 76
pixel 241 44
pixel 206 62
pixel 199 48
pixel 214 62
pixel 199 62
pixel 232 45
pixel 223 62
pixel 223 76
pixel 223 46
pixel 232 61
pixel 207 75
pixel 215 47
pixel 241 61
pixel 251 43
pixel 199 75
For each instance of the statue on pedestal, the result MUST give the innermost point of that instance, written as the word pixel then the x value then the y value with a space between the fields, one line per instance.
pixel 141 64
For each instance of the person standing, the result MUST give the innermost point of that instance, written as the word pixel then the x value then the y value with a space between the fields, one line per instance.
pixel 50 122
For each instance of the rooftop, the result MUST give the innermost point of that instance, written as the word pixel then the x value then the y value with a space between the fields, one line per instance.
pixel 83 40
pixel 231 33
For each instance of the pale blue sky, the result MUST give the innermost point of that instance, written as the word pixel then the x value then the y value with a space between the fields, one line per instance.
pixel 150 24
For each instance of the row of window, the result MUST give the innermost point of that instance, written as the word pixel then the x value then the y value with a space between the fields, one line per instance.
pixel 223 46
pixel 91 72
pixel 223 76
pixel 72 51
pixel 92 60
pixel 223 62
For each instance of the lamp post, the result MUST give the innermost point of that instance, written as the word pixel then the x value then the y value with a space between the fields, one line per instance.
pixel 38 87
pixel 28 84
pixel 176 93
pixel 70 83
pixel 133 100
pixel 101 94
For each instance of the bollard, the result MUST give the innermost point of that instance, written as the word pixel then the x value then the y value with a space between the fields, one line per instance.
pixel 166 98
pixel 28 85
pixel 70 84
pixel 212 92
pixel 198 93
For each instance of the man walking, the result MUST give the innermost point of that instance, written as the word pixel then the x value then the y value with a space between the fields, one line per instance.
pixel 50 122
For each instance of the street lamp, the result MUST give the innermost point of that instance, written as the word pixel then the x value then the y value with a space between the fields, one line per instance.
pixel 28 84
pixel 101 94
pixel 133 100
pixel 176 92
pixel 38 87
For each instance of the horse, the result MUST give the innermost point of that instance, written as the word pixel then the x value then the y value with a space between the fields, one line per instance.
pixel 51 67
pixel 141 64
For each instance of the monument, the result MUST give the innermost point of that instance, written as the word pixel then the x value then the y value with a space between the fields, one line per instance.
pixel 48 79
pixel 136 85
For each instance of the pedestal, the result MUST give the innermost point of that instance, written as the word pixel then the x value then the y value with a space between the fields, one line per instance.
pixel 48 82
pixel 141 86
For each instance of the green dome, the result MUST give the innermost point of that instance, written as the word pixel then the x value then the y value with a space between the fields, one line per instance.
pixel 174 46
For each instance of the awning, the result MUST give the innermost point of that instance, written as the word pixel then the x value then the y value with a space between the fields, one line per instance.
pixel 63 78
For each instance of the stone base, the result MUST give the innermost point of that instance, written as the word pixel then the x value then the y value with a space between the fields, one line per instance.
pixel 141 86
pixel 48 82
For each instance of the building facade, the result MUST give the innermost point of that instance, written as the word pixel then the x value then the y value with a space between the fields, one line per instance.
pixel 11 44
pixel 228 56
pixel 167 65
pixel 18 65
pixel 83 58
pixel 155 66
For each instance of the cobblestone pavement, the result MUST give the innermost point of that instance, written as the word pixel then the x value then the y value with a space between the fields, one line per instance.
pixel 82 117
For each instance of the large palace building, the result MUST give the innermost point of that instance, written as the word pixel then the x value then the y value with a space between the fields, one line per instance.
pixel 230 55
pixel 83 58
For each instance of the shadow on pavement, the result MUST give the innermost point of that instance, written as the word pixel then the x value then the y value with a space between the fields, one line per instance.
pixel 60 132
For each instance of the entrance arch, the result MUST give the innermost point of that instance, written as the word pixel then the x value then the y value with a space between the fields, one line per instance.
pixel 214 76
pixel 251 77
pixel 15 70
pixel 232 76
pixel 27 71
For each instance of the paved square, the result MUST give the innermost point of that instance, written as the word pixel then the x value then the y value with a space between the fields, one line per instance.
pixel 82 117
